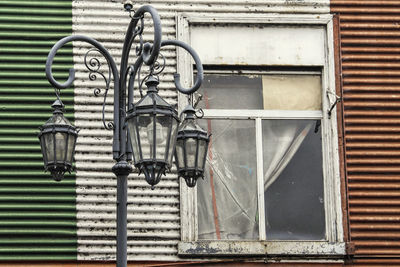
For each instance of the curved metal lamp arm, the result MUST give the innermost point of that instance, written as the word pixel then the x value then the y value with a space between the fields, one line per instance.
pixel 179 87
pixel 149 52
pixel 68 83
pixel 199 67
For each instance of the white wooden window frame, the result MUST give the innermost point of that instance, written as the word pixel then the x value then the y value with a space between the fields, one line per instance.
pixel 333 246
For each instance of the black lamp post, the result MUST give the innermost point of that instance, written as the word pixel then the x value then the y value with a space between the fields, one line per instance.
pixel 151 123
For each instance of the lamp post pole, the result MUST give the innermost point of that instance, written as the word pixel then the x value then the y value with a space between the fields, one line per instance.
pixel 145 133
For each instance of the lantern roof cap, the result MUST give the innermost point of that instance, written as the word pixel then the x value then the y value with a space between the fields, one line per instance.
pixel 151 99
pixel 189 124
pixel 58 116
pixel 58 119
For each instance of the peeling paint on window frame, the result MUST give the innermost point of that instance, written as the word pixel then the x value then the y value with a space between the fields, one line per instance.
pixel 333 246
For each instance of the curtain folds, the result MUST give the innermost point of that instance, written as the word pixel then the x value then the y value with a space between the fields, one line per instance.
pixel 227 198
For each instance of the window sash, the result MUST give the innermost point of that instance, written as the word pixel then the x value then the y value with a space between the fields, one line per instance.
pixel 263 114
pixel 262 248
pixel 258 116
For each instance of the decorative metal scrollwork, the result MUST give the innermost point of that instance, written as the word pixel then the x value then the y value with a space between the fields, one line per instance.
pixel 158 67
pixel 112 69
pixel 139 32
pixel 93 64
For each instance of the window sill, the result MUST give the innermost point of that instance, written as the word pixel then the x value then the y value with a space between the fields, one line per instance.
pixel 259 248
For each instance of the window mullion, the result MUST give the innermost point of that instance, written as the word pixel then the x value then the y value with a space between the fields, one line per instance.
pixel 260 180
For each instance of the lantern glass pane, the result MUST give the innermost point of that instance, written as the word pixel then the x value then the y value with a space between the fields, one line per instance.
pixel 145 126
pixel 202 152
pixel 133 136
pixel 162 128
pixel 49 146
pixel 172 140
pixel 42 148
pixel 71 148
pixel 191 148
pixel 180 160
pixel 61 141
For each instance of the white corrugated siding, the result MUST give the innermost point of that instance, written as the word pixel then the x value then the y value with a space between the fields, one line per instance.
pixel 153 215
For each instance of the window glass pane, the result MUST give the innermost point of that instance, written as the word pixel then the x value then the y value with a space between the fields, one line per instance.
pixel 231 92
pixel 272 91
pixel 292 92
pixel 227 197
pixel 293 180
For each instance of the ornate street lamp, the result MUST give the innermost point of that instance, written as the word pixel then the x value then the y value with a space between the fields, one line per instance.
pixel 57 141
pixel 146 133
pixel 191 148
pixel 152 124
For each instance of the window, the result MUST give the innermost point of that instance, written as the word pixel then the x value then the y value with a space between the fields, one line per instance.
pixel 288 149
pixel 272 182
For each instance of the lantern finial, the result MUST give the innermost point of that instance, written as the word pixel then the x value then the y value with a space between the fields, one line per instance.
pixel 58 105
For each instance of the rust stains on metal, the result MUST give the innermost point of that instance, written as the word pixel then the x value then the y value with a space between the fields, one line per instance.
pixel 340 120
pixel 370 64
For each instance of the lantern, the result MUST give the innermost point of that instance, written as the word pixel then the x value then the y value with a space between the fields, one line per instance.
pixel 152 125
pixel 191 148
pixel 57 141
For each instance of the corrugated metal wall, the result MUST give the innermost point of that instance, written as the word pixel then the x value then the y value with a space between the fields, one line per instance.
pixel 153 219
pixel 37 215
pixel 153 215
pixel 370 49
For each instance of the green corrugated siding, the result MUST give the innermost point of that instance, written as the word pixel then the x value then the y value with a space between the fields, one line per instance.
pixel 37 215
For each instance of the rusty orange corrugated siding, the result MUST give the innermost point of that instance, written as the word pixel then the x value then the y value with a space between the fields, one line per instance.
pixel 369 55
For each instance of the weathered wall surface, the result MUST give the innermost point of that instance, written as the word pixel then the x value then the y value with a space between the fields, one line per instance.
pixel 154 223
pixel 369 47
pixel 37 215
pixel 29 29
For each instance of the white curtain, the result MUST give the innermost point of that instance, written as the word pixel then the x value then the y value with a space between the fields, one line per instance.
pixel 281 142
